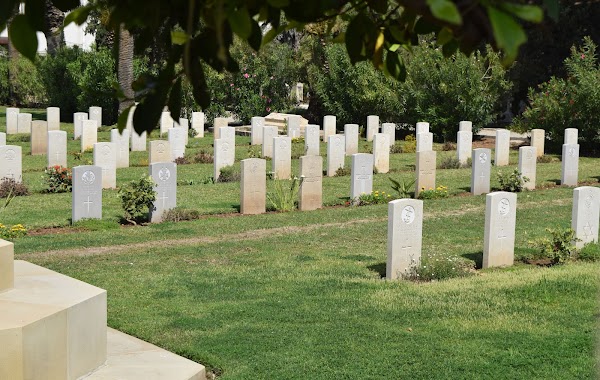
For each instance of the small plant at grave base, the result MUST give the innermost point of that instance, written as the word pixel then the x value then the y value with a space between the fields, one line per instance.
pixel 590 253
pixel 192 133
pixel 374 198
pixel 448 146
pixel 182 160
pixel 137 198
pixel 180 214
pixel 437 266
pixel 210 180
pixel 58 179
pixel 203 157
pixel 77 156
pixel 254 151
pixel 560 247
pixel 342 172
pixel 229 174
pixel 437 193
pixel 88 150
pixel 13 232
pixel 545 159
pixel 396 148
pixel 9 188
pixel 285 193
pixel 143 162
pixel 450 163
pixel 410 144
pixel 298 140
pixel 513 182
pixel 404 188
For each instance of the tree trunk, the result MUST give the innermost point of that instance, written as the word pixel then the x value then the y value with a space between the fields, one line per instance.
pixel 125 68
pixel 54 17
pixel 13 55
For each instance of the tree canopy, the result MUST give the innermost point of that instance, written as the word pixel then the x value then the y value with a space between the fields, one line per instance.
pixel 202 31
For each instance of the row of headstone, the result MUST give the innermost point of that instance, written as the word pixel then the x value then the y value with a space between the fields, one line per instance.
pixel 20 122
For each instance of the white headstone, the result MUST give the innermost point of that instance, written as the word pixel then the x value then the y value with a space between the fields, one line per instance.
pixel 129 124
pixel 57 148
pixel 499 235
pixel 24 123
pixel 227 133
pixel 256 130
pixel 571 136
pixel 311 183
pixel 293 126
pixel 381 152
pixel 121 141
pixel 527 165
pixel 177 142
pixel 425 168
pixel 422 127
pixel 424 141
pixel 570 165
pixel 480 171
pixel 390 130
pixel 39 137
pixel 78 118
pixel 464 145
pixel 218 123
pixel 253 185
pixel 95 113
pixel 329 126
pixel 224 154
pixel 138 142
pixel 53 118
pixel 300 92
pixel 89 134
pixel 362 175
pixel 2 138
pixel 502 150
pixel 198 123
pixel 282 157
pixel 312 140
pixel 466 126
pixel 11 162
pixel 351 135
pixel 160 151
pixel 405 237
pixel 166 122
pixel 105 156
pixel 585 215
pixel 538 139
pixel 372 126
pixel 87 193
pixel 336 154
pixel 12 120
pixel 269 132
pixel 185 124
pixel 164 175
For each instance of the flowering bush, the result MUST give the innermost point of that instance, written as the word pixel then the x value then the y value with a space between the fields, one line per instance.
pixel 58 179
pixel 14 232
pixel 440 267
pixel 375 197
pixel 437 193
pixel 564 103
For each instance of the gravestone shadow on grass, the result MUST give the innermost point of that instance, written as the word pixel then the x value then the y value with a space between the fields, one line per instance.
pixel 477 257
pixel 466 188
pixel 378 268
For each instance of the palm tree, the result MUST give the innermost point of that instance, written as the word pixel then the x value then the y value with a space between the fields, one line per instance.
pixel 125 68
pixel 53 21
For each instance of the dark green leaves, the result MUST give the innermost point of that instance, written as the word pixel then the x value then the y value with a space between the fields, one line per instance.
pixel 525 12
pixel 394 67
pixel 35 11
pixel 7 7
pixel 122 121
pixel 23 36
pixel 66 5
pixel 508 33
pixel 445 10
pixel 175 100
pixel 79 15
pixel 241 22
pixel 361 36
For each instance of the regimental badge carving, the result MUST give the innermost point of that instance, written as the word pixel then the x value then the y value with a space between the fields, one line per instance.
pixel 106 150
pixel 164 174
pixel 504 206
pixel 10 155
pixel 529 154
pixel 254 168
pixel 483 157
pixel 88 177
pixel 572 152
pixel 225 147
pixel 408 214
pixel 161 148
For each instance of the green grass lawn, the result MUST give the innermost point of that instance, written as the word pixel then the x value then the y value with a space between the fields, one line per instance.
pixel 300 294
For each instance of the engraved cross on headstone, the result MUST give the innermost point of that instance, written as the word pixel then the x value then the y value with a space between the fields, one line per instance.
pixel 164 198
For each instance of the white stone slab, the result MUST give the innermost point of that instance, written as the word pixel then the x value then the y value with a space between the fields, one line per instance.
pixel 138 142
pixel 282 157
pixel 105 156
pixel 390 130
pixel 480 171
pixel 329 126
pixel 269 132
pixel 293 126
pixel 571 136
pixel 57 148
pixel 12 120
pixel 499 233
pixel 253 183
pixel 351 132
pixel 464 145
pixel 426 170
pixel 11 162
pixel 381 153
pixel 227 133
pixel 527 165
pixel 585 214
pixel 312 140
pixel 164 175
pixel 311 183
pixel 405 237
pixel 121 140
pixel 224 154
pixel 39 137
pixel 372 126
pixel 95 113
pixel 166 122
pixel 53 118
pixel 78 118
pixel 24 123
pixel 185 124
pixel 362 175
pixel 466 126
pixel 502 147
pixel 177 142
pixel 2 138
pixel 538 139
pixel 89 134
pixel 198 123
pixel 218 123
pixel 160 151
pixel 570 165
pixel 422 127
pixel 424 141
pixel 336 154
pixel 87 193
pixel 256 130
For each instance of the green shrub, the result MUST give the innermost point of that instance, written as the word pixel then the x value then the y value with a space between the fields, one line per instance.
pixel 374 198
pixel 342 172
pixel 560 247
pixel 410 144
pixel 590 252
pixel 96 85
pixel 450 162
pixel 437 266
pixel 179 214
pixel 4 89
pixel 404 188
pixel 284 196
pixel 513 181
pixel 437 193
pixel 229 174
pixel 566 102
pixel 396 148
pixel 13 232
pixel 137 198
pixel 58 179
pixel 27 88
